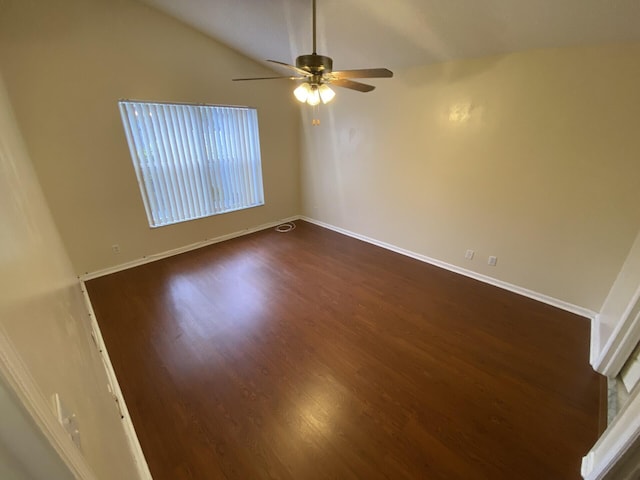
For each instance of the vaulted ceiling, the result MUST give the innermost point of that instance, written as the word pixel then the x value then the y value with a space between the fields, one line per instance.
pixel 405 33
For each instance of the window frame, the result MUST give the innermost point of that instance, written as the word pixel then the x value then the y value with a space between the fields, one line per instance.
pixel 223 167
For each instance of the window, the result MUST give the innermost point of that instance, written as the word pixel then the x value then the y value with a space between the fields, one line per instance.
pixel 193 161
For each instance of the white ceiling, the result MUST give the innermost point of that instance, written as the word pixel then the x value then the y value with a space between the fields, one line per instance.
pixel 404 33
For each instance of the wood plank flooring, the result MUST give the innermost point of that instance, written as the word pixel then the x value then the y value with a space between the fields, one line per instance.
pixel 311 355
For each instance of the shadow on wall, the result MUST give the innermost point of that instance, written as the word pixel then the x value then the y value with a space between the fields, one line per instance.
pixel 411 32
pixel 448 73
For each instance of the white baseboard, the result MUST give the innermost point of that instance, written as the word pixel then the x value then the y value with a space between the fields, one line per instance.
pixel 612 448
pixel 594 344
pixel 561 304
pixel 129 430
pixel 620 343
pixel 584 312
pixel 176 251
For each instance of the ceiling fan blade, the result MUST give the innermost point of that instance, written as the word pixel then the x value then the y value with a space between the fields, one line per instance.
pixel 267 78
pixel 299 71
pixel 360 87
pixel 363 73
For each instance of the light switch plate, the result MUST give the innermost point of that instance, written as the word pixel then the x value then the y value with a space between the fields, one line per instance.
pixel 67 419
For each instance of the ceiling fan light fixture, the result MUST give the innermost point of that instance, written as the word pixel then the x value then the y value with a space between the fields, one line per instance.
pixel 314 96
pixel 302 92
pixel 315 73
pixel 326 93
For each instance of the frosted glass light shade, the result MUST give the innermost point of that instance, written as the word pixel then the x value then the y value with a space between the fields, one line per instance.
pixel 302 92
pixel 314 96
pixel 326 94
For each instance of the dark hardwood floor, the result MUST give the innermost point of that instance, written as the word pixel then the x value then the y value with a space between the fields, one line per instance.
pixel 311 355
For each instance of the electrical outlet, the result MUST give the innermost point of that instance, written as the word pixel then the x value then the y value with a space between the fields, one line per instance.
pixel 492 261
pixel 115 248
pixel 469 255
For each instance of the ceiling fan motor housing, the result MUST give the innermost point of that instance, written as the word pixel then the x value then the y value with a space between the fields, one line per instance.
pixel 316 64
pixel 316 71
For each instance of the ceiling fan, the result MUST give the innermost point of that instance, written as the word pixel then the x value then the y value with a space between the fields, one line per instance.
pixel 316 72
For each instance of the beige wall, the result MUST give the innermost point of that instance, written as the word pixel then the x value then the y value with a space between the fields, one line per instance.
pixel 43 315
pixel 532 157
pixel 66 64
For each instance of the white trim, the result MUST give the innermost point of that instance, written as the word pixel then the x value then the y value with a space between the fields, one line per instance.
pixel 19 379
pixel 177 251
pixel 620 437
pixel 561 304
pixel 595 341
pixel 624 338
pixel 129 430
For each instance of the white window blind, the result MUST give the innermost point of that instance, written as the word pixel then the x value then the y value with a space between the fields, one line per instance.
pixel 193 161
